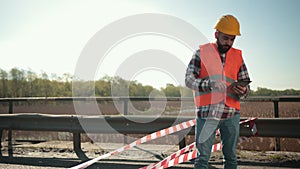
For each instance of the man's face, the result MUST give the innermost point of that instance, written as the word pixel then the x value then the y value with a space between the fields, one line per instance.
pixel 224 41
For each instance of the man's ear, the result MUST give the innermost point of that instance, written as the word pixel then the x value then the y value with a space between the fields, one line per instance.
pixel 216 34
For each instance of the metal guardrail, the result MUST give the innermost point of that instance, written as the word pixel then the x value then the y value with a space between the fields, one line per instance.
pixel 76 124
pixel 125 100
pixel 268 126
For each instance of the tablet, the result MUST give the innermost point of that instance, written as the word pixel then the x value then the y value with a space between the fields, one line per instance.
pixel 242 83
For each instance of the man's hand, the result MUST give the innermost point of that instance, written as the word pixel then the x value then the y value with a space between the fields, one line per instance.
pixel 239 90
pixel 219 85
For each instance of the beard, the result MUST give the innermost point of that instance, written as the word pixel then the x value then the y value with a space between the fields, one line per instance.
pixel 222 48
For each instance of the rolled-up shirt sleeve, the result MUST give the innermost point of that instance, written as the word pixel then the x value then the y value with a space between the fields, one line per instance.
pixel 192 79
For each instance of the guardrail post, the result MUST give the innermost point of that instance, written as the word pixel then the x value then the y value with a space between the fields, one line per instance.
pixel 125 113
pixel 10 107
pixel 126 106
pixel 276 109
pixel 77 146
pixel 1 143
pixel 181 139
pixel 276 114
pixel 9 134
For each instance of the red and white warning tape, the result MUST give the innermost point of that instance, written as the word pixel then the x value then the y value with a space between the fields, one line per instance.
pixel 144 139
pixel 170 157
pixel 178 160
pixel 173 160
pixel 189 156
pixel 181 156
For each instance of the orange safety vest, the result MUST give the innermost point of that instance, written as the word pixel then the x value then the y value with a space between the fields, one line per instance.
pixel 212 68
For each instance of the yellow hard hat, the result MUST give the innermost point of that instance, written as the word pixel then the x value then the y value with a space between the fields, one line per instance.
pixel 228 24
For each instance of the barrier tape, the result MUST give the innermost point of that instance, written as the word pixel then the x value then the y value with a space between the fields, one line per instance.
pixel 150 137
pixel 142 140
pixel 189 156
pixel 181 156
pixel 178 160
pixel 170 157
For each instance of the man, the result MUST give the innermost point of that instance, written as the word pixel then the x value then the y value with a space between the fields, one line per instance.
pixel 212 69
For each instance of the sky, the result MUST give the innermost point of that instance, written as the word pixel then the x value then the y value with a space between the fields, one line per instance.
pixel 51 35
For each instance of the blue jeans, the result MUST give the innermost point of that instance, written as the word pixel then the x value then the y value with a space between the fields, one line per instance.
pixel 205 136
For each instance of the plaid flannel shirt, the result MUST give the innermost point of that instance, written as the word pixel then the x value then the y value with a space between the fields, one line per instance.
pixel 219 110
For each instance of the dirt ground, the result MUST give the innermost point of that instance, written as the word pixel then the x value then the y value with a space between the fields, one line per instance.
pixel 60 154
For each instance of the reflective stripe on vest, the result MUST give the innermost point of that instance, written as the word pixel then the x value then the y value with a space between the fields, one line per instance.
pixel 212 68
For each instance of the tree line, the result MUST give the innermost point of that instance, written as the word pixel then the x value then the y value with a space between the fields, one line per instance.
pixel 26 83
